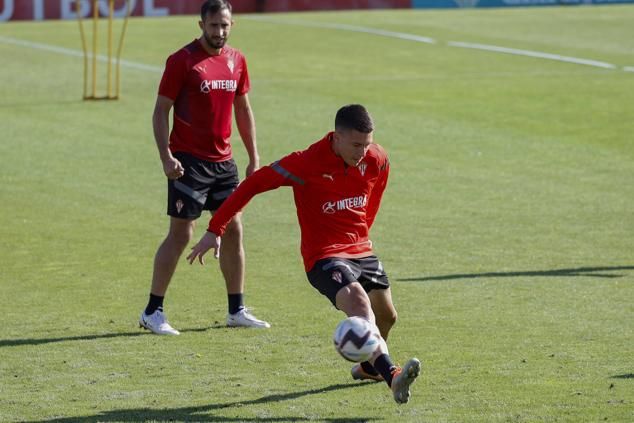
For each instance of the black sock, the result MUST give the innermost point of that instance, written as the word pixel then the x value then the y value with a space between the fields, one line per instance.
pixel 368 368
pixel 155 303
pixel 384 365
pixel 235 303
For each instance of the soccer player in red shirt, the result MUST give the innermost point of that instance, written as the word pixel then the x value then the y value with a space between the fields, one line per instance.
pixel 337 183
pixel 202 82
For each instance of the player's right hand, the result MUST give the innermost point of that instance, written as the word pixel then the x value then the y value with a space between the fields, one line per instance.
pixel 173 168
pixel 206 243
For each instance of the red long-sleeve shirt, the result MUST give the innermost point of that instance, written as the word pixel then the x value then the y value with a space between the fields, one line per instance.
pixel 336 203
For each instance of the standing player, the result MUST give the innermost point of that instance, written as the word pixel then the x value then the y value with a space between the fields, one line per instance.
pixel 202 81
pixel 337 183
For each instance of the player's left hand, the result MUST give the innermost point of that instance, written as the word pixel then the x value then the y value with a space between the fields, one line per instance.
pixel 206 243
pixel 252 167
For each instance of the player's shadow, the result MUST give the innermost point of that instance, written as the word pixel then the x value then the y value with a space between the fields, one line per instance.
pixel 40 341
pixel 200 413
pixel 624 376
pixel 40 104
pixel 594 272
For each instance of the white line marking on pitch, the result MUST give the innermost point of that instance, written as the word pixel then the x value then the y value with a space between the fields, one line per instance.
pixel 411 37
pixel 423 77
pixel 77 53
pixel 529 53
pixel 346 27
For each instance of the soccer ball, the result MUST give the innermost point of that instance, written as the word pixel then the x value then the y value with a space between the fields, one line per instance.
pixel 356 339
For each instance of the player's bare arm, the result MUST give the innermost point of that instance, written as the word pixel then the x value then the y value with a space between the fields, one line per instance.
pixel 246 127
pixel 206 243
pixel 160 122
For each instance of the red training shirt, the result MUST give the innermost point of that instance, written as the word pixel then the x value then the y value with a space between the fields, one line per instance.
pixel 336 203
pixel 203 88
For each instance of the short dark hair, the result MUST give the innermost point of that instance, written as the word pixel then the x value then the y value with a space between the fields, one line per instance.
pixel 354 116
pixel 211 7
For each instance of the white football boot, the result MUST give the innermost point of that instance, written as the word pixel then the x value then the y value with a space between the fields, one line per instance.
pixel 157 323
pixel 245 319
pixel 402 378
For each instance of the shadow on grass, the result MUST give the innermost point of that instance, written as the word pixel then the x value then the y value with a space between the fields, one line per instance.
pixel 624 376
pixel 199 413
pixel 573 272
pixel 40 341
pixel 40 104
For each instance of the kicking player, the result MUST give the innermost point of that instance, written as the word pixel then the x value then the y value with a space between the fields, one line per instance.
pixel 202 82
pixel 337 183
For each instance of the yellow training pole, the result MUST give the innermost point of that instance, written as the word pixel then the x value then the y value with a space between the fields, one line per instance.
pixel 125 25
pixel 95 28
pixel 110 18
pixel 83 45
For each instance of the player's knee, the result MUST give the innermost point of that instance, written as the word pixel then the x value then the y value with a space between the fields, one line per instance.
pixel 390 318
pixel 233 230
pixel 386 320
pixel 180 236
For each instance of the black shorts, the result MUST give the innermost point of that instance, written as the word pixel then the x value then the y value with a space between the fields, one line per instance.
pixel 204 186
pixel 331 274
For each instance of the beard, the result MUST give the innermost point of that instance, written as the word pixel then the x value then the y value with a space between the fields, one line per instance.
pixel 215 42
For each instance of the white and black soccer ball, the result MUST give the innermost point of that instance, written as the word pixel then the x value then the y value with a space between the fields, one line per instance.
pixel 356 339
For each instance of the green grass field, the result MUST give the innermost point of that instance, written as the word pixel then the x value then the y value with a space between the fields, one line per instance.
pixel 507 228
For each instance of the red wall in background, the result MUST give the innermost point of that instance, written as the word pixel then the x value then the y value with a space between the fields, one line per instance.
pixel 65 9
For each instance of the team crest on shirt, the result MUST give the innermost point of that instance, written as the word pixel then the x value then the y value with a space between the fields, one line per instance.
pixel 230 65
pixel 179 205
pixel 362 167
pixel 336 276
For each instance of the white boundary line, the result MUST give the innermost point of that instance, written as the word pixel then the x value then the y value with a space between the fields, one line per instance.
pixel 428 40
pixel 76 53
pixel 345 27
pixel 422 77
pixel 529 53
pixel 156 69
